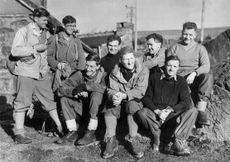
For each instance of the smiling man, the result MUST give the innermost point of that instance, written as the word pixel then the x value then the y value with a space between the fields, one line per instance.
pixel 83 89
pixel 195 67
pixel 155 57
pixel 65 52
pixel 127 85
pixel 167 101
pixel 112 58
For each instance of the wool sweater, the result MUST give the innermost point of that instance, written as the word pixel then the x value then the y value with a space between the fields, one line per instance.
pixel 163 92
pixel 193 57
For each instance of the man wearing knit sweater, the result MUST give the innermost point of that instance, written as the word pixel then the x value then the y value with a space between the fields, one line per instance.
pixel 195 67
pixel 167 100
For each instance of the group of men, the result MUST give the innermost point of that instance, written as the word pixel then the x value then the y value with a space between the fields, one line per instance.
pixel 156 90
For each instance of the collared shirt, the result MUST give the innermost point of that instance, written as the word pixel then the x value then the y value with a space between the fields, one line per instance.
pixel 164 76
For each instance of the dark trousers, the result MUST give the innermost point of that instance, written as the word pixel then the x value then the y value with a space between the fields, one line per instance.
pixel 201 88
pixel 182 123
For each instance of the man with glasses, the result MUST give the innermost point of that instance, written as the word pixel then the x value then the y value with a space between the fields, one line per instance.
pixel 83 90
pixel 65 52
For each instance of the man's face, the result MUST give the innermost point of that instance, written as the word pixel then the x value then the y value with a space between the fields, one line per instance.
pixel 153 46
pixel 113 47
pixel 188 36
pixel 172 67
pixel 128 61
pixel 70 28
pixel 91 68
pixel 41 21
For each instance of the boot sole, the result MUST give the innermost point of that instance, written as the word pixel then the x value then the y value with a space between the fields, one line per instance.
pixel 87 145
pixel 111 155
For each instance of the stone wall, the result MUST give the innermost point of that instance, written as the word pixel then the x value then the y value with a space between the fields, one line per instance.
pixel 8 26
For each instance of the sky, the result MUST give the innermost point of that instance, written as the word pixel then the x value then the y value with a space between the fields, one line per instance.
pixel 102 15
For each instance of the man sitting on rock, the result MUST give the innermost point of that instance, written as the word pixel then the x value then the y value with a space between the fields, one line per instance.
pixel 82 89
pixel 127 85
pixel 195 67
pixel 167 100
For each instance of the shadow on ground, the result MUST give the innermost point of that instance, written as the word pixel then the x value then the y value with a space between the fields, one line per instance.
pixel 43 148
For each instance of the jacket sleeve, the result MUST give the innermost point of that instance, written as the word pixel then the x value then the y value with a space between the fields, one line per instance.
pixel 113 87
pixel 97 87
pixel 148 98
pixel 20 47
pixel 185 100
pixel 81 56
pixel 68 86
pixel 51 52
pixel 203 61
pixel 139 89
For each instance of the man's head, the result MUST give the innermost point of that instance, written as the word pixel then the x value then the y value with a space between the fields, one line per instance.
pixel 113 44
pixel 92 64
pixel 127 58
pixel 189 32
pixel 40 16
pixel 172 64
pixel 154 42
pixel 69 23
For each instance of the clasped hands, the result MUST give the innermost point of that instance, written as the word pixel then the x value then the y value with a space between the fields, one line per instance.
pixel 163 114
pixel 118 97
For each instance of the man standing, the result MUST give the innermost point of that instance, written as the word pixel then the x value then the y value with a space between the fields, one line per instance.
pixel 195 67
pixel 65 52
pixel 127 85
pixel 83 89
pixel 112 58
pixel 32 70
pixel 155 58
pixel 167 100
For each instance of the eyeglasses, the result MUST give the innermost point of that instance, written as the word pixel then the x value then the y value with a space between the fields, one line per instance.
pixel 70 25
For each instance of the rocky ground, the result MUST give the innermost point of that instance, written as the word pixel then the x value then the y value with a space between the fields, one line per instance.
pixel 43 148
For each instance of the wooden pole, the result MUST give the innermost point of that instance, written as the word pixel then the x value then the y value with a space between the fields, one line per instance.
pixel 202 21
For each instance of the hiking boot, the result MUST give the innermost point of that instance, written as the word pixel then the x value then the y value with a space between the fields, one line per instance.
pixel 180 148
pixel 69 138
pixel 110 148
pixel 20 139
pixel 202 119
pixel 136 148
pixel 88 139
pixel 167 148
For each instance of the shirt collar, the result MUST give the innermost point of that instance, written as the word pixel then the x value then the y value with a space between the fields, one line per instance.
pixel 164 76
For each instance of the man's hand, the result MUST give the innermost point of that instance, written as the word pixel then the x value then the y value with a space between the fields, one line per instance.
pixel 118 97
pixel 61 65
pixel 157 111
pixel 164 113
pixel 40 47
pixel 83 94
pixel 191 77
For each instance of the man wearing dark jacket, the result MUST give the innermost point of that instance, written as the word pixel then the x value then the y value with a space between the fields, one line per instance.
pixel 167 99
pixel 87 85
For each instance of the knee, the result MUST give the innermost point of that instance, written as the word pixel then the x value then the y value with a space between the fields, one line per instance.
pixel 96 97
pixel 207 78
pixel 193 111
pixel 141 114
pixel 133 106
